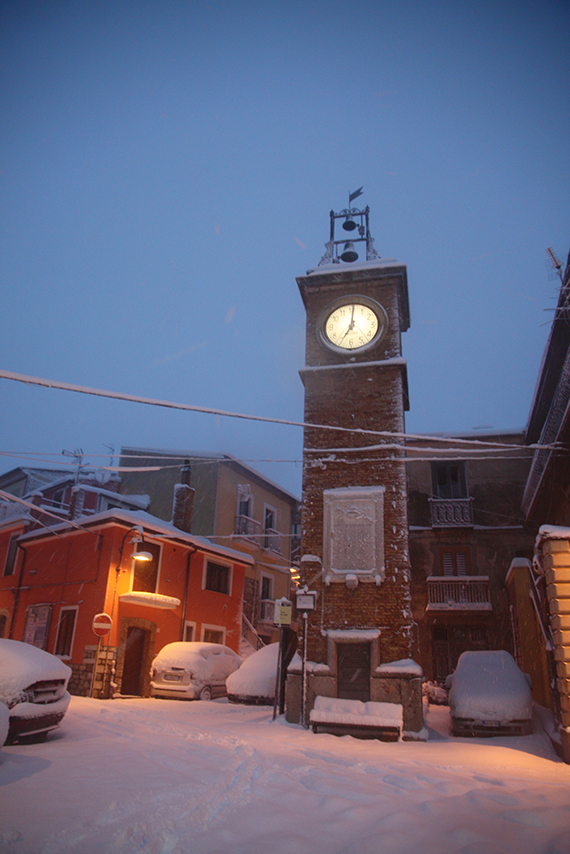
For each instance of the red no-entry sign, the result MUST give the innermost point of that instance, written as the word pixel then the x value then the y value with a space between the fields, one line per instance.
pixel 102 624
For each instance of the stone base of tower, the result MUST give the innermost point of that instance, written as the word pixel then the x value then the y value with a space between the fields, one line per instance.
pixel 397 682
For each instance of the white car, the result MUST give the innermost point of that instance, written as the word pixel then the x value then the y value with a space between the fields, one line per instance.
pixel 33 686
pixel 489 695
pixel 4 723
pixel 254 682
pixel 192 670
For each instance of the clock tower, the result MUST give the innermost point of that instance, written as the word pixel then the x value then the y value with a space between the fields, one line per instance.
pixel 356 642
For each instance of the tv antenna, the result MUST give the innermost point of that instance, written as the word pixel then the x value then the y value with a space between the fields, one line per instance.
pixel 77 455
pixel 555 261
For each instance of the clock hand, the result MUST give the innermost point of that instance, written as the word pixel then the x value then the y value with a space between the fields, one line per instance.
pixel 350 328
pixel 350 325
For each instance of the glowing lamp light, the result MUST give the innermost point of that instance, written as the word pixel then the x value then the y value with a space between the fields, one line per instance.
pixel 142 556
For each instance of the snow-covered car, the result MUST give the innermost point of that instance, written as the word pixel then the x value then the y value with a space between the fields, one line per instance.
pixel 192 670
pixel 4 723
pixel 254 682
pixel 489 695
pixel 33 685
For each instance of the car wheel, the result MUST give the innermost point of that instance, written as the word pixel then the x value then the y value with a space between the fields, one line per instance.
pixel 206 693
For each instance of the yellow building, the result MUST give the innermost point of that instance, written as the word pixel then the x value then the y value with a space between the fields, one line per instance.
pixel 233 505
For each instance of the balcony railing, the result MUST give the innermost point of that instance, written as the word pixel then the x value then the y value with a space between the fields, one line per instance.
pixel 266 610
pixel 272 540
pixel 247 528
pixel 464 593
pixel 451 512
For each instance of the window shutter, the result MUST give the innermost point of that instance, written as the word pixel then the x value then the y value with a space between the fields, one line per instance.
pixel 455 562
pixel 461 563
pixel 448 564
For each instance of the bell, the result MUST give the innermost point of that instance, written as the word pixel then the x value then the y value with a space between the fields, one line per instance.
pixel 349 224
pixel 349 252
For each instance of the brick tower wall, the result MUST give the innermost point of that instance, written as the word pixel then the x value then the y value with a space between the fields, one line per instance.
pixel 377 396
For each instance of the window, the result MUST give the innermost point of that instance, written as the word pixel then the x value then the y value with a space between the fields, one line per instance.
pixel 11 555
pixel 213 634
pixel 3 625
pixel 145 572
pixel 245 500
pixel 269 519
pixel 454 560
pixel 65 632
pixel 217 577
pixel 57 498
pixel 266 604
pixel 266 587
pixel 189 630
pixel 271 540
pixel 448 480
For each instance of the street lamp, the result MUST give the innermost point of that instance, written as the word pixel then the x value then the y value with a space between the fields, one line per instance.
pixel 137 537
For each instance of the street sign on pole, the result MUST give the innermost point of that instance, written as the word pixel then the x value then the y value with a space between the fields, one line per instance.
pixel 282 613
pixel 306 599
pixel 102 625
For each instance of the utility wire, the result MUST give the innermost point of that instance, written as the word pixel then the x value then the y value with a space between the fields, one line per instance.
pixel 29 380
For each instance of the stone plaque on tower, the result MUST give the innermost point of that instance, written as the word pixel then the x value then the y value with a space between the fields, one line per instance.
pixel 353 535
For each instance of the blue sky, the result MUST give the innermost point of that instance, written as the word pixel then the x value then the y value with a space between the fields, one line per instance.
pixel 167 170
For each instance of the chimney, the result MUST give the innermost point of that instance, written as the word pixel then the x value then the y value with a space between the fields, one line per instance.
pixel 37 500
pixel 183 506
pixel 76 502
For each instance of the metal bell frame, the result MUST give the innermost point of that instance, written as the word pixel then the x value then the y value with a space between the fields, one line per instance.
pixel 349 254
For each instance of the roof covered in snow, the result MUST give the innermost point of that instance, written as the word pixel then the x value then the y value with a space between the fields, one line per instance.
pixel 150 524
pixel 214 456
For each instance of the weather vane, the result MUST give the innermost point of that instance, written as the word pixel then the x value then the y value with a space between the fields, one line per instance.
pixel 354 219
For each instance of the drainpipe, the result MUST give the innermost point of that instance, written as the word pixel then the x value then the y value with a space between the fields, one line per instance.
pixel 17 592
pixel 192 551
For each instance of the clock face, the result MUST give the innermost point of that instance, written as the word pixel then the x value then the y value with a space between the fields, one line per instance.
pixel 353 324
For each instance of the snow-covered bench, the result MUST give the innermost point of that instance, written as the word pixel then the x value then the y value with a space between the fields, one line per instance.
pixel 353 717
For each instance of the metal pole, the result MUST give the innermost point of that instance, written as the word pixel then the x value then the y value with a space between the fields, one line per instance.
pixel 278 674
pixel 95 667
pixel 304 670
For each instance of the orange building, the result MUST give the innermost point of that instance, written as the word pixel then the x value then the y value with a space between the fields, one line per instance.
pixel 56 580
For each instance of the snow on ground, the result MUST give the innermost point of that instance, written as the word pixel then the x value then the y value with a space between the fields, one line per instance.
pixel 175 777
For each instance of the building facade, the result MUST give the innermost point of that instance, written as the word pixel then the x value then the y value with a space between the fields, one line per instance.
pixel 56 580
pixel 235 506
pixel 466 526
pixel 546 507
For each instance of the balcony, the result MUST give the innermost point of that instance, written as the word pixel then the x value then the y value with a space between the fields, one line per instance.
pixel 464 593
pixel 272 540
pixel 248 529
pixel 451 512
pixel 266 610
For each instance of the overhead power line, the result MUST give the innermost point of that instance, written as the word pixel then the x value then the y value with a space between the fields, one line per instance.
pixel 148 401
pixel 7 496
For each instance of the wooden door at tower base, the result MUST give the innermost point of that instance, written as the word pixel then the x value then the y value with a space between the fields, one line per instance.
pixel 132 681
pixel 353 671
